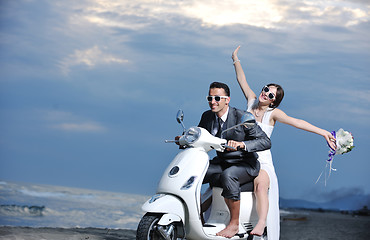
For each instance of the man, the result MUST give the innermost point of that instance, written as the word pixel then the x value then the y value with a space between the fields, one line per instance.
pixel 231 168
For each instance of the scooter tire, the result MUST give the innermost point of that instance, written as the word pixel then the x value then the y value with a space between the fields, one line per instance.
pixel 147 228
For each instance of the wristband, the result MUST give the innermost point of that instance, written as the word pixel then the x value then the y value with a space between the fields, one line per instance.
pixel 236 61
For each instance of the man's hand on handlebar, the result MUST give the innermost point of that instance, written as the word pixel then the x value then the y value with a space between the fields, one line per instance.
pixel 236 145
pixel 177 140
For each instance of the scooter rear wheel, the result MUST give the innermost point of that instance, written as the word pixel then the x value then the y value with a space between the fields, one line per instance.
pixel 148 229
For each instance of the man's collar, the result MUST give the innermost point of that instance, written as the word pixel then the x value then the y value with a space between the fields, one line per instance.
pixel 224 117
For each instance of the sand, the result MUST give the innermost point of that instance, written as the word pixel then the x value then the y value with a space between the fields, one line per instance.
pixel 299 225
pixel 311 225
pixel 27 233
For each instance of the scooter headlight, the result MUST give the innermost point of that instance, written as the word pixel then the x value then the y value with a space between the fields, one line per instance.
pixel 192 134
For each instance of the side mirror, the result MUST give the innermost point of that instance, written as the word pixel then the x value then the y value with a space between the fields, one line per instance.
pixel 180 118
pixel 247 120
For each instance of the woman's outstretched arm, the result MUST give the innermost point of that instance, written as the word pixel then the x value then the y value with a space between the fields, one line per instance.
pixel 240 76
pixel 280 116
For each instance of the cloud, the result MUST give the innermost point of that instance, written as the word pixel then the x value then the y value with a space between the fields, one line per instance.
pixel 69 122
pixel 136 15
pixel 335 13
pixel 133 20
pixel 264 13
pixel 344 107
pixel 89 57
pixel 79 127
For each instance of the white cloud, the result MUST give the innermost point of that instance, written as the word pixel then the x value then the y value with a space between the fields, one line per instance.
pixel 67 121
pixel 89 57
pixel 262 13
pixel 335 13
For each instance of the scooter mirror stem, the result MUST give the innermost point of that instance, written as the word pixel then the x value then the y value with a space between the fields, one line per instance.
pixel 180 118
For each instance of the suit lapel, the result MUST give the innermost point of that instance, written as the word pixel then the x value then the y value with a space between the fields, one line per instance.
pixel 211 123
pixel 230 121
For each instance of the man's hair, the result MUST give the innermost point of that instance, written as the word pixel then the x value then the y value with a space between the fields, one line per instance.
pixel 221 85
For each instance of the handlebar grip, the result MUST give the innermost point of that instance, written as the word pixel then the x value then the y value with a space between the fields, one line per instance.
pixel 227 146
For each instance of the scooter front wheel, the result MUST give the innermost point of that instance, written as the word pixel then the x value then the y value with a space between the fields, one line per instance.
pixel 148 229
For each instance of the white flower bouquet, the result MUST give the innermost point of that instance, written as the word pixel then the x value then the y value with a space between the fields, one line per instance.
pixel 344 142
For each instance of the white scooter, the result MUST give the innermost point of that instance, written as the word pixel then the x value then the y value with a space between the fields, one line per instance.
pixel 175 211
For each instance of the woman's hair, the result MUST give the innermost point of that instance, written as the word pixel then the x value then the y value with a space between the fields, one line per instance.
pixel 279 95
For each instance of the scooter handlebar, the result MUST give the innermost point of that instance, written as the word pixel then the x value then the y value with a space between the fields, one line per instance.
pixel 227 146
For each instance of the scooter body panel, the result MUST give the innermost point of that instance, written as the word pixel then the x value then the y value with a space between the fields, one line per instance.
pixel 220 216
pixel 161 203
pixel 183 178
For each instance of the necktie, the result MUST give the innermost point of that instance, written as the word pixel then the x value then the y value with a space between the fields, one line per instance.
pixel 218 134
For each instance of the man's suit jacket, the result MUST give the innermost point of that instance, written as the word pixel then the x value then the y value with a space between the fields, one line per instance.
pixel 254 139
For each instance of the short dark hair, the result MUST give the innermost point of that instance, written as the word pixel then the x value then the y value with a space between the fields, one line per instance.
pixel 279 95
pixel 221 85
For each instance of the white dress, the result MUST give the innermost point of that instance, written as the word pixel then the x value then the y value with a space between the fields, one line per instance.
pixel 265 159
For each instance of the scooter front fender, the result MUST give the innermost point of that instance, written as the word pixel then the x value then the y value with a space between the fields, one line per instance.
pixel 168 219
pixel 169 205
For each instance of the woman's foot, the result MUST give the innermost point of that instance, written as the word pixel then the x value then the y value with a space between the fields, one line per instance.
pixel 258 229
pixel 230 231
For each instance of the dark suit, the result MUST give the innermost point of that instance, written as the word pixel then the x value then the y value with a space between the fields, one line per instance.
pixel 230 169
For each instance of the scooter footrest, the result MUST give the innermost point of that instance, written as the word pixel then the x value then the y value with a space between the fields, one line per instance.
pixel 208 225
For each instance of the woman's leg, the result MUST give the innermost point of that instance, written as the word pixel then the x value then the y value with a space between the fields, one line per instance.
pixel 261 186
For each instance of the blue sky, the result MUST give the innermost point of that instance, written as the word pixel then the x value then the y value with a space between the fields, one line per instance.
pixel 89 90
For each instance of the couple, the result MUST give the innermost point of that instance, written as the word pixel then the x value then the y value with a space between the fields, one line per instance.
pixel 232 171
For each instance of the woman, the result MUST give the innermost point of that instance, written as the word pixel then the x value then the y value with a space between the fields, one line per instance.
pixel 266 113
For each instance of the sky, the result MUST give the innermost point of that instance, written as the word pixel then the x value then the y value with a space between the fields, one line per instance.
pixel 89 90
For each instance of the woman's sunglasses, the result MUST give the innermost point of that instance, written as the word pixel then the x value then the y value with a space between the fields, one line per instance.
pixel 216 98
pixel 266 89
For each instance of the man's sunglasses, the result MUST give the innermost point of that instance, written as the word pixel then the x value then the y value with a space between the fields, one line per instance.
pixel 216 98
pixel 266 89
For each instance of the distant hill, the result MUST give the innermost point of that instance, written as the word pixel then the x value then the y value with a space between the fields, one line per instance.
pixel 347 203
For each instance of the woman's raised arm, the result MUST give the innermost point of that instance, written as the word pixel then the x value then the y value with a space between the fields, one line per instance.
pixel 240 76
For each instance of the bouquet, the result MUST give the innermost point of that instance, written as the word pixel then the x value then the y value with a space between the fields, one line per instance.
pixel 344 142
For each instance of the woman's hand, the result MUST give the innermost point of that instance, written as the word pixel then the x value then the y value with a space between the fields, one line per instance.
pixel 330 139
pixel 234 56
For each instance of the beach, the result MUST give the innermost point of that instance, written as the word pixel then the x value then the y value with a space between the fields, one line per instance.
pixel 311 225
pixel 295 225
pixel 44 212
pixel 27 233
